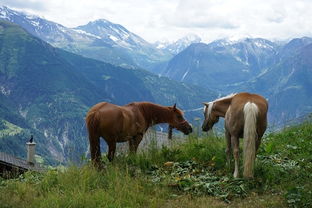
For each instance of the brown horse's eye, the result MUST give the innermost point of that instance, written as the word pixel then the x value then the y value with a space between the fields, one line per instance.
pixel 180 117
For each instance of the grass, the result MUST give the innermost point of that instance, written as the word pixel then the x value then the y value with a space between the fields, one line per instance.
pixel 80 187
pixel 189 174
pixel 7 128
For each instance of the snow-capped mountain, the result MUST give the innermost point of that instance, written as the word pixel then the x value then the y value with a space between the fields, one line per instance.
pixel 179 45
pixel 287 83
pixel 116 33
pixel 142 52
pixel 280 72
pixel 100 39
pixel 49 31
pixel 221 62
pixel 256 53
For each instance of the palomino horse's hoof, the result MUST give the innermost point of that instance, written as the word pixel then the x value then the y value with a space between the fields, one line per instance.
pixel 235 175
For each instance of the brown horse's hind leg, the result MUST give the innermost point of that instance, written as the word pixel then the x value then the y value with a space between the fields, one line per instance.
pixel 95 150
pixel 111 150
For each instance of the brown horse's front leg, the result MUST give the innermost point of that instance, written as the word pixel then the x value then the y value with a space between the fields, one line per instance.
pixel 134 143
pixel 111 150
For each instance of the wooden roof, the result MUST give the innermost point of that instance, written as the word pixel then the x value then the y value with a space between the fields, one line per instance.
pixel 9 160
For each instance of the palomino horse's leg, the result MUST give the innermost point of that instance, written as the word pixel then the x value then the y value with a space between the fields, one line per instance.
pixel 228 148
pixel 260 130
pixel 111 150
pixel 258 140
pixel 235 147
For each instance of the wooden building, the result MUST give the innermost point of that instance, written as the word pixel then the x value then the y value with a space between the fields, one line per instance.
pixel 11 166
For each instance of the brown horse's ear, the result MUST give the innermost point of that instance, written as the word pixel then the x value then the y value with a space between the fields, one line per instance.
pixel 174 107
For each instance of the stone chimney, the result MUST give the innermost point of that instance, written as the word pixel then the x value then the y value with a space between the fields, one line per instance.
pixel 31 151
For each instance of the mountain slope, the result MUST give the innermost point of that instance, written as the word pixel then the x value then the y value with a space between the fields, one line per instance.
pixel 173 48
pixel 200 65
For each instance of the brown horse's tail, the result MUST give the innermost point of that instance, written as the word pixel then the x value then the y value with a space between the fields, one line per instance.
pixel 250 134
pixel 94 138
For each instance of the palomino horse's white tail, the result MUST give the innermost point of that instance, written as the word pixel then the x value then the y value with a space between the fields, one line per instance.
pixel 250 134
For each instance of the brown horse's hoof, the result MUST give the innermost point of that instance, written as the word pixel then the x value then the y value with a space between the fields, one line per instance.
pixel 99 165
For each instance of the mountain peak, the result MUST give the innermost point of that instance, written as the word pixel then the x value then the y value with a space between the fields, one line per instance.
pixel 100 21
pixel 179 45
pixel 6 13
pixel 105 28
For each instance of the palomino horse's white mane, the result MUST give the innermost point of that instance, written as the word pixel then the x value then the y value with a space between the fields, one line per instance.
pixel 210 104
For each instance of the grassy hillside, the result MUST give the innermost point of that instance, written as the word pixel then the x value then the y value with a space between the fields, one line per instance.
pixel 196 176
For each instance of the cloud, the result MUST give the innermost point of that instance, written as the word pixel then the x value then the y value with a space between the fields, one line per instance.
pixel 163 19
pixel 200 14
pixel 34 5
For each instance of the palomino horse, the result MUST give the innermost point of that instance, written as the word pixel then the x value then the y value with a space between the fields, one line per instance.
pixel 128 123
pixel 245 116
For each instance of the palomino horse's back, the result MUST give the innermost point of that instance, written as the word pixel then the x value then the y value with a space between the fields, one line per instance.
pixel 239 100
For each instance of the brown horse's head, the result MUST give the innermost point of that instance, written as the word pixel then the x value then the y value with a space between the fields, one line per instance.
pixel 210 117
pixel 179 122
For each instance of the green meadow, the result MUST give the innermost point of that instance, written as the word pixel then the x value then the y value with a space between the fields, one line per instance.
pixel 193 173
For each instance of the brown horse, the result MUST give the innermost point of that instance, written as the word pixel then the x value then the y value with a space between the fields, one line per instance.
pixel 245 116
pixel 128 123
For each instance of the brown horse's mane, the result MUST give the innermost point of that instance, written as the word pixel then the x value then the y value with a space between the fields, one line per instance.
pixel 154 113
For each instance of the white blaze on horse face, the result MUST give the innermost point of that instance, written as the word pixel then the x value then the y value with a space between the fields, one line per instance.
pixel 205 107
pixel 210 104
pixel 207 112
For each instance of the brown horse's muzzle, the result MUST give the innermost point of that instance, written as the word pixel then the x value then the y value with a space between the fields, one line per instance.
pixel 185 127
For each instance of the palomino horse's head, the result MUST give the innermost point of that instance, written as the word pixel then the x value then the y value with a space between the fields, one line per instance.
pixel 210 117
pixel 179 122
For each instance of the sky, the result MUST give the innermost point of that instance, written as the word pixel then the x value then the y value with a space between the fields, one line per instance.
pixel 169 20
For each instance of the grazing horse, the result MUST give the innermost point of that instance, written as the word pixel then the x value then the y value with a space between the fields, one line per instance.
pixel 245 116
pixel 128 123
